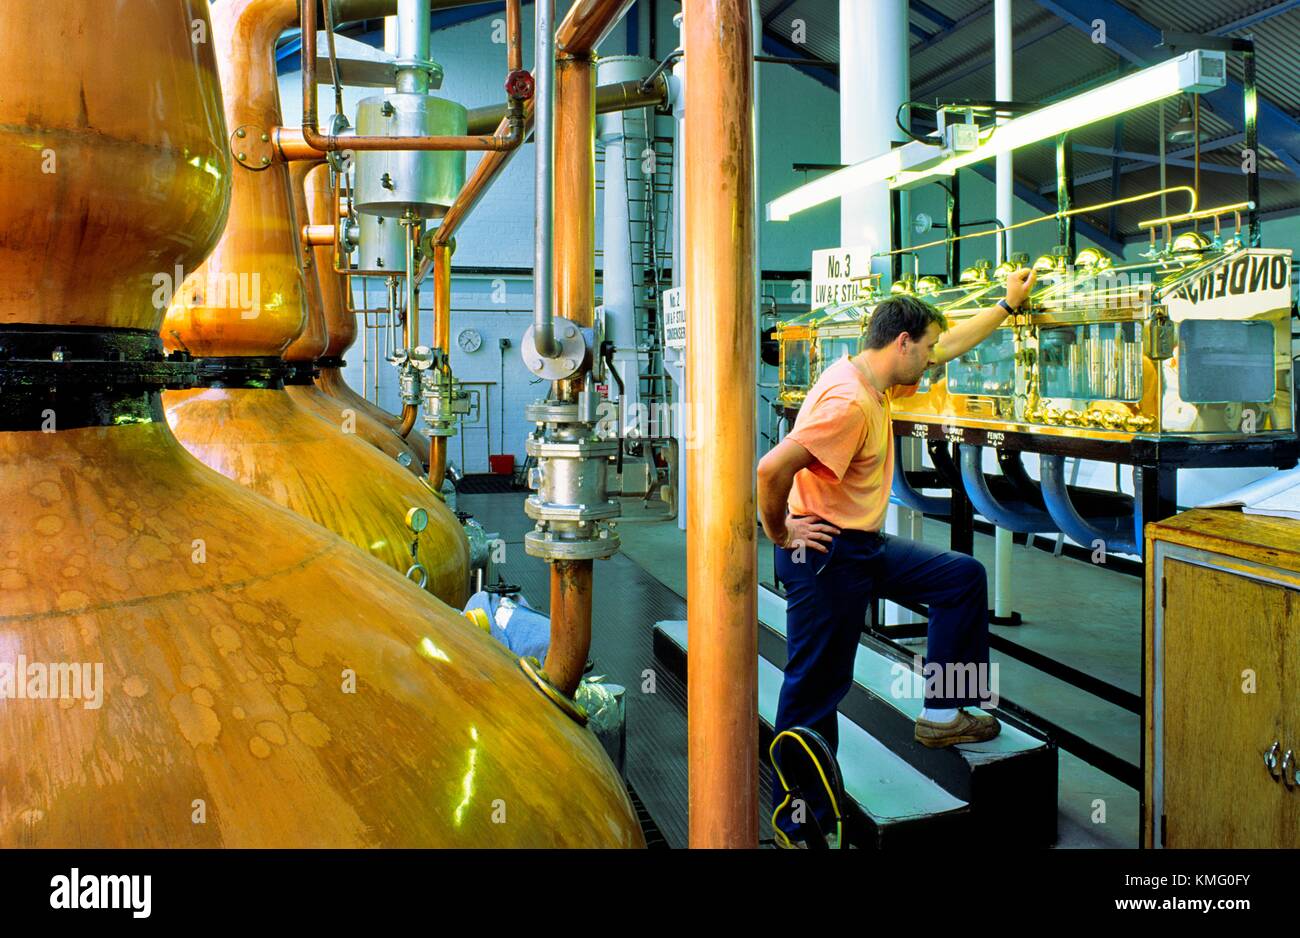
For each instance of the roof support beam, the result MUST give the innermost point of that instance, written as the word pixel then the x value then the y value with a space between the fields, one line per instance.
pixel 775 44
pixel 948 76
pixel 1253 19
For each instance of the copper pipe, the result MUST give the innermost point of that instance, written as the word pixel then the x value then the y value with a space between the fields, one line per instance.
pixel 566 658
pixel 587 24
pixel 617 96
pixel 437 461
pixel 514 44
pixel 315 236
pixel 721 558
pixel 330 142
pixel 408 420
pixel 340 323
pixel 314 338
pixel 575 199
pixel 1078 210
pixel 1197 214
pixel 289 145
pixel 442 347
pixel 442 300
pixel 574 290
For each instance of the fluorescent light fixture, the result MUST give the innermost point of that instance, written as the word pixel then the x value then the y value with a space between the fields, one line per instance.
pixel 833 185
pixel 906 166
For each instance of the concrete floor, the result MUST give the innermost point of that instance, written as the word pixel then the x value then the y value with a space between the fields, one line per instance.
pixel 1074 611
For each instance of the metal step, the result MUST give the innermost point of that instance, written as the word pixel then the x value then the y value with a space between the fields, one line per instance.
pixel 1010 782
pixel 893 806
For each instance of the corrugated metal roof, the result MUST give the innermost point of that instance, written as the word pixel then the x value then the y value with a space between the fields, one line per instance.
pixel 1054 59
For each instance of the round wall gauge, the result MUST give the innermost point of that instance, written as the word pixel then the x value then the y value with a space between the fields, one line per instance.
pixel 469 340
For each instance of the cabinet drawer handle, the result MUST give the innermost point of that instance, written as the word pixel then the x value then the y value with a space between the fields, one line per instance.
pixel 1288 770
pixel 1270 760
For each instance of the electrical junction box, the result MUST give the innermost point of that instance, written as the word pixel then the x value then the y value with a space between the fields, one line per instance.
pixel 1202 70
pixel 961 138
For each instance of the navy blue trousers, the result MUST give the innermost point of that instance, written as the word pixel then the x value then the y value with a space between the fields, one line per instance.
pixel 827 597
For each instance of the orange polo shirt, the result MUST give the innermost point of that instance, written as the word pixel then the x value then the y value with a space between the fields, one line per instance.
pixel 845 424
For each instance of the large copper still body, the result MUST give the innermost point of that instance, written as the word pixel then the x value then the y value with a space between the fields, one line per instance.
pixel 328 316
pixel 227 627
pixel 249 300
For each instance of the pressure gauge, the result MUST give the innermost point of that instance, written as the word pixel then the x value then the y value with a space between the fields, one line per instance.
pixel 417 519
pixel 469 340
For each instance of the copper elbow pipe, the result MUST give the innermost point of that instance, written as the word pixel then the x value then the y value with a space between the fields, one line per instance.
pixel 566 658
pixel 587 24
pixel 408 420
pixel 290 145
pixel 312 136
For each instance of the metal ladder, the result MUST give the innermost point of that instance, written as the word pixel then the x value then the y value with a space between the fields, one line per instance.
pixel 650 208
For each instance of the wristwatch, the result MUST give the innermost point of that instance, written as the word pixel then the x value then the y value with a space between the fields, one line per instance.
pixel 1007 306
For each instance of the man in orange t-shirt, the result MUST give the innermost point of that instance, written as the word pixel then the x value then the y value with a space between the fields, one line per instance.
pixel 823 492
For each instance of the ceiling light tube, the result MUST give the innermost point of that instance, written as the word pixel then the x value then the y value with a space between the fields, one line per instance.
pixel 1196 71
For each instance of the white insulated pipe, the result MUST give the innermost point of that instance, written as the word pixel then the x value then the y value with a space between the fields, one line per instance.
pixel 626 136
pixel 544 150
pixel 675 362
pixel 875 81
pixel 413 22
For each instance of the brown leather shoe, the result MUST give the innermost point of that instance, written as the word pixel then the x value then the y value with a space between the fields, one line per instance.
pixel 963 728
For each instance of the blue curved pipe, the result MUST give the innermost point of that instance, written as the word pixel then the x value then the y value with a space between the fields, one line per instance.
pixel 909 497
pixel 1120 534
pixel 1014 516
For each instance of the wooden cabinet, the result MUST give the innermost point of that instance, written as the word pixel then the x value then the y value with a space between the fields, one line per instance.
pixel 1222 680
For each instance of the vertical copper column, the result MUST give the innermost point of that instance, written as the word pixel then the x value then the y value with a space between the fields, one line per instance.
pixel 441 343
pixel 575 300
pixel 721 559
pixel 575 197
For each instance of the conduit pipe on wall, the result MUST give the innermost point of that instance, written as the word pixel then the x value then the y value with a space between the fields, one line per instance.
pixel 721 558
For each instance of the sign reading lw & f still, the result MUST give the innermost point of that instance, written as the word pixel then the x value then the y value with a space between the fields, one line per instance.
pixel 840 275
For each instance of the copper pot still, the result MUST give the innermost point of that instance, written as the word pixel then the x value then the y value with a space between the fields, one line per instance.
pixel 250 299
pixel 311 194
pixel 226 630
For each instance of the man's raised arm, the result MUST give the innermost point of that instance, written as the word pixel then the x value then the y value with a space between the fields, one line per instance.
pixel 969 333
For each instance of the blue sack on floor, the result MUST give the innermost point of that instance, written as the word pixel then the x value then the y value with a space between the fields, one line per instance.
pixel 514 623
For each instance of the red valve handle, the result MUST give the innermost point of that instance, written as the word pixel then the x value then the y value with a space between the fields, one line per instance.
pixel 519 84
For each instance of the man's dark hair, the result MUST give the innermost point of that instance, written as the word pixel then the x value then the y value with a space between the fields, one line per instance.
pixel 901 313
